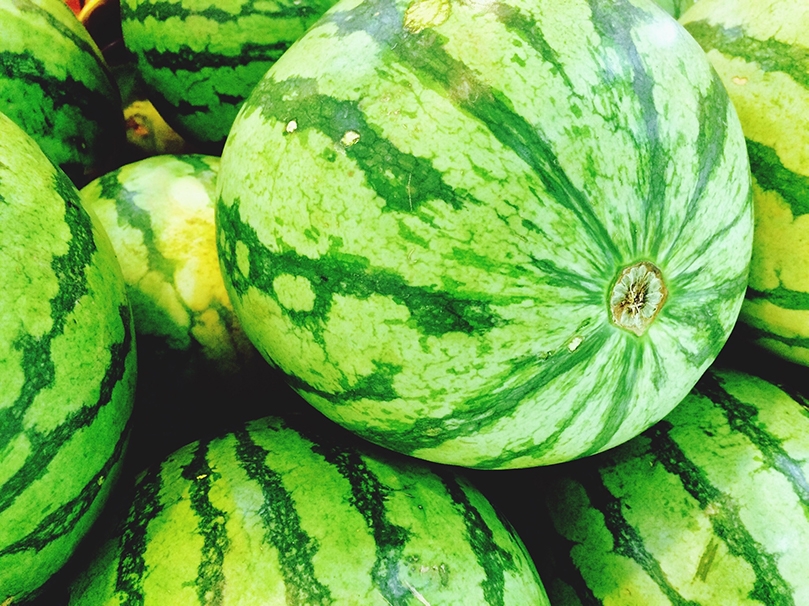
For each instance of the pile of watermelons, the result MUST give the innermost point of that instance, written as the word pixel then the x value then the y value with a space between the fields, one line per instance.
pixel 404 302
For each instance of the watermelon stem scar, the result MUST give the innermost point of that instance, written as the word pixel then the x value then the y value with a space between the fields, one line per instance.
pixel 637 297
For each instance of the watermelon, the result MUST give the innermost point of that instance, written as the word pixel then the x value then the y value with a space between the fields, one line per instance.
pixel 760 48
pixel 159 215
pixel 201 59
pixel 67 366
pixel 675 8
pixel 499 235
pixel 192 352
pixel 55 84
pixel 710 506
pixel 283 512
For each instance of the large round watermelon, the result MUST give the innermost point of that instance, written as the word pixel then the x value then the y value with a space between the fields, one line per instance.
pixel 710 506
pixel 494 235
pixel 67 366
pixel 278 512
pixel 759 48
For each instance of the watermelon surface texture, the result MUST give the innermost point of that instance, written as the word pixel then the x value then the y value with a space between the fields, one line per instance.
pixel 493 235
pixel 278 513
pixel 159 215
pixel 200 60
pixel 675 8
pixel 67 366
pixel 710 506
pixel 55 85
pixel 761 51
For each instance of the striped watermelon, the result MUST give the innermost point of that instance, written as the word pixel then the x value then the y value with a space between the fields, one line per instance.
pixel 493 235
pixel 710 506
pixel 201 59
pixel 761 50
pixel 56 86
pixel 192 352
pixel 67 366
pixel 277 513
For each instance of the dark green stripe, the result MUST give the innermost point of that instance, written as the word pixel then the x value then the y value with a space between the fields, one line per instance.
pixel 96 130
pixel 696 257
pixel 368 496
pixel 129 214
pixel 771 55
pixel 526 28
pixel 576 408
pixel 781 297
pixel 425 56
pixel 134 538
pixel 553 275
pixel 189 60
pixel 38 367
pixel 627 541
pixel 615 21
pixel 403 180
pixel 81 42
pixel 743 418
pixel 163 11
pixel 481 412
pixel 64 519
pixel 493 559
pixel 210 581
pixel 629 375
pixel 759 333
pixel 433 311
pixel 710 148
pixel 769 588
pixel 46 446
pixel 283 527
pixel 772 175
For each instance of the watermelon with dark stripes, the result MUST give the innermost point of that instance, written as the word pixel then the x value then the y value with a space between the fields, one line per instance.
pixel 200 60
pixel 710 506
pixel 489 234
pixel 760 48
pixel 67 367
pixel 279 513
pixel 159 215
pixel 55 84
pixel 192 352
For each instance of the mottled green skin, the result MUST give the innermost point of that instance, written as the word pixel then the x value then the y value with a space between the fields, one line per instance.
pixel 424 237
pixel 67 366
pixel 279 513
pixel 760 48
pixel 159 215
pixel 56 86
pixel 675 8
pixel 710 506
pixel 202 59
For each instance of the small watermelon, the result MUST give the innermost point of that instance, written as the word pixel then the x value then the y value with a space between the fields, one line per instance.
pixel 760 48
pixel 192 352
pixel 67 366
pixel 710 506
pixel 276 512
pixel 492 235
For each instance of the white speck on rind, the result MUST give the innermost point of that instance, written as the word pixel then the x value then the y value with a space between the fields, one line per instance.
pixel 350 138
pixel 292 126
pixel 574 343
